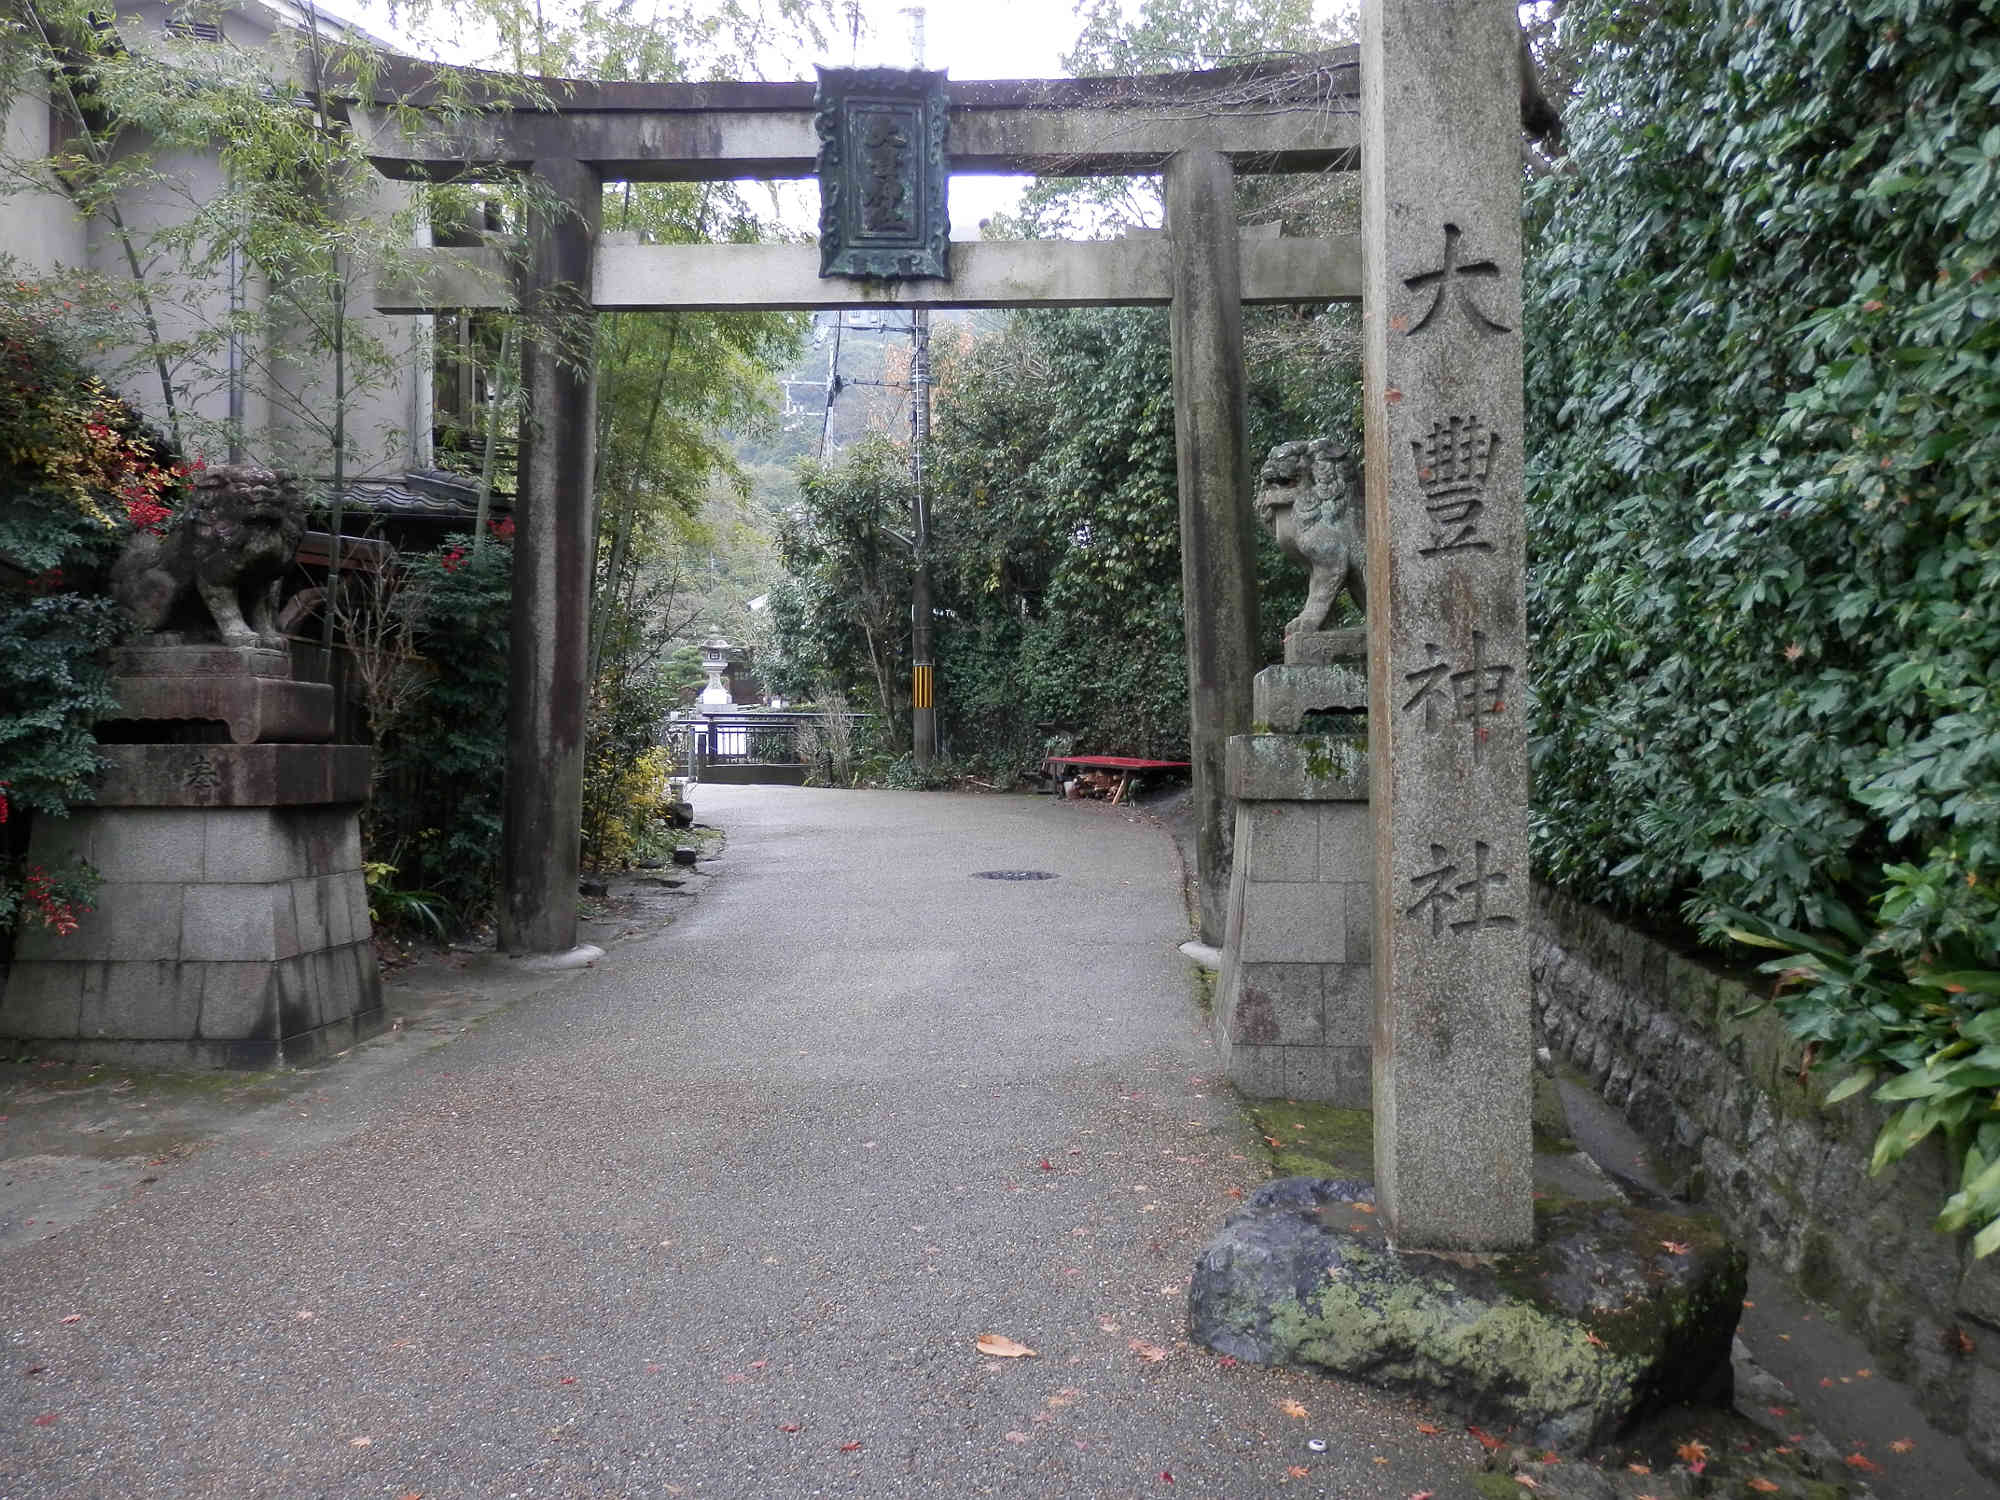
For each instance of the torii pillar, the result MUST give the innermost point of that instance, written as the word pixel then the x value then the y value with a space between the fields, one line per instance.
pixel 1447 638
pixel 555 522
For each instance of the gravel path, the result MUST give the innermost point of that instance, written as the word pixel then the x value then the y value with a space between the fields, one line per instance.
pixel 723 1216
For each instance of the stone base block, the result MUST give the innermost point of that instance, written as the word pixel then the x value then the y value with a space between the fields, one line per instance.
pixel 1326 648
pixel 231 776
pixel 1296 768
pixel 221 936
pixel 1617 1311
pixel 157 1013
pixel 1282 696
pixel 253 709
pixel 1294 997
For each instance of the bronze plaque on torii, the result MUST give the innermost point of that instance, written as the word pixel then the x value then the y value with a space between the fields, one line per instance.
pixel 883 173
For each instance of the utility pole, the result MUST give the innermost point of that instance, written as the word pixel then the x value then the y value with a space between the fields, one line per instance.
pixel 923 699
pixel 923 694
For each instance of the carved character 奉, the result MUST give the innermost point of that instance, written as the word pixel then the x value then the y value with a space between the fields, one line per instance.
pixel 229 548
pixel 1309 493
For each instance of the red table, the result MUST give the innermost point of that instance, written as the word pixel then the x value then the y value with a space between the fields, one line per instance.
pixel 1130 765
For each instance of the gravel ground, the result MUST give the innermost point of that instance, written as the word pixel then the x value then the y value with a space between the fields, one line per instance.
pixel 722 1215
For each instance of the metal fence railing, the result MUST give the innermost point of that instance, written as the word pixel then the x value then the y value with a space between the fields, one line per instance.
pixel 768 737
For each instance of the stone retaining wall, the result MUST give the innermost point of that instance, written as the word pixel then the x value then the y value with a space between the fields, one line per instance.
pixel 1734 1126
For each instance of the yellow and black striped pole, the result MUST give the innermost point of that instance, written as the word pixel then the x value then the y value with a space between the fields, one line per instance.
pixel 923 697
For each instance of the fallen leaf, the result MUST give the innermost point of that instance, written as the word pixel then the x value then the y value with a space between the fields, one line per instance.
pixel 1046 1165
pixel 1017 1437
pixel 850 1447
pixel 46 1419
pixel 758 1364
pixel 1692 1452
pixel 74 1318
pixel 1862 1463
pixel 1380 1460
pixel 788 1427
pixel 1236 1192
pixel 1107 1325
pixel 1000 1346
pixel 304 1317
pixel 1166 1477
pixel 1486 1439
pixel 1594 1341
pixel 1421 1495
pixel 1226 1362
pixel 1673 1247
pixel 1526 1483
pixel 1152 1354
pixel 654 1369
pixel 1297 1471
pixel 1762 1485
pixel 1292 1408
pixel 1902 1445
pixel 1639 1468
pixel 1778 1411
pixel 567 1380
pixel 1429 1429
pixel 1364 1208
pixel 361 1442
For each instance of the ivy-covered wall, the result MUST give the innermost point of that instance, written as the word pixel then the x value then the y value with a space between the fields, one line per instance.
pixel 1764 446
pixel 1764 508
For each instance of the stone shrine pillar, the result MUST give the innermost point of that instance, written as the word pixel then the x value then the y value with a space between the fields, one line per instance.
pixel 555 521
pixel 1447 639
pixel 1211 444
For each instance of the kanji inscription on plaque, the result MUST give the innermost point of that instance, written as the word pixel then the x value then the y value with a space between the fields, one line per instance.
pixel 1454 904
pixel 1467 689
pixel 1452 280
pixel 1453 460
pixel 883 173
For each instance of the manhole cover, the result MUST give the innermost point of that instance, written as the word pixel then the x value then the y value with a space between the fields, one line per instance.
pixel 1014 875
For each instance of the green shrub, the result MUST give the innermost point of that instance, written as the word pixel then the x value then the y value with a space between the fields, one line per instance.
pixel 78 469
pixel 436 814
pixel 1764 507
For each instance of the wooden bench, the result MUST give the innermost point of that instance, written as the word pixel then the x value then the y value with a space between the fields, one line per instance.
pixel 1128 767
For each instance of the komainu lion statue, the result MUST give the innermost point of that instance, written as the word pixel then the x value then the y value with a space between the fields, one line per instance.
pixel 229 547
pixel 1309 493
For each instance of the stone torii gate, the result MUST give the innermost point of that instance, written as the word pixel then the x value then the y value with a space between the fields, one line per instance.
pixel 1426 108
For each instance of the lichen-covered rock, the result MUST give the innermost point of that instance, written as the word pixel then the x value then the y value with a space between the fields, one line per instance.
pixel 1616 1311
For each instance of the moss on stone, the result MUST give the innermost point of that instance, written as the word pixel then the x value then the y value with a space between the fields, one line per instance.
pixel 1333 1142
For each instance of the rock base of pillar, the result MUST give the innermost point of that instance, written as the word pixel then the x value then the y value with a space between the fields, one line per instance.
pixel 231 928
pixel 1294 995
pixel 1617 1310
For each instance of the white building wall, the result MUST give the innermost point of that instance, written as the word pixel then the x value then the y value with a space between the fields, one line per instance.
pixel 286 375
pixel 38 228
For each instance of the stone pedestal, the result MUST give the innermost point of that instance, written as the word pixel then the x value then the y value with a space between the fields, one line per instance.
pixel 247 691
pixel 1294 996
pixel 231 929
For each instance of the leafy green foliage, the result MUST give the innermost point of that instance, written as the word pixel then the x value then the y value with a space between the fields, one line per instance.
pixel 436 814
pixel 1056 552
pixel 1931 1029
pixel 841 615
pixel 76 466
pixel 1764 491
